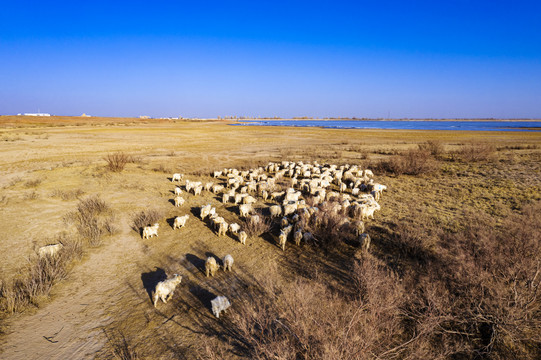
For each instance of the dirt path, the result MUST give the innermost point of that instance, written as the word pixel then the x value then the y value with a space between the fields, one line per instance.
pixel 70 325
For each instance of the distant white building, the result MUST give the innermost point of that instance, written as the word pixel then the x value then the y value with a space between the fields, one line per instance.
pixel 36 114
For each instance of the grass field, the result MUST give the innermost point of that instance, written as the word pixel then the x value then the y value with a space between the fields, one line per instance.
pixel 451 272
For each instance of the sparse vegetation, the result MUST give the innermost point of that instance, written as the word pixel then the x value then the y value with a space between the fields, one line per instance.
pixel 117 162
pixel 475 152
pixel 93 218
pixel 412 162
pixel 67 194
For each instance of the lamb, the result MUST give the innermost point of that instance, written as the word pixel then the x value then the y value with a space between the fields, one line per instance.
pixel 228 262
pixel 177 177
pixel 179 201
pixel 234 228
pixel 165 289
pixel 298 237
pixel 150 231
pixel 219 304
pixel 49 250
pixel 222 230
pixel 211 266
pixel 282 239
pixel 178 191
pixel 242 237
pixel 244 210
pixel 180 221
pixel 205 211
pixel 275 210
pixel 364 240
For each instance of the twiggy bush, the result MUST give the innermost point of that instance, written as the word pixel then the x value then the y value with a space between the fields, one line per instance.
pixel 144 218
pixel 257 225
pixel 93 219
pixel 434 147
pixel 476 152
pixel 38 277
pixel 117 162
pixel 412 162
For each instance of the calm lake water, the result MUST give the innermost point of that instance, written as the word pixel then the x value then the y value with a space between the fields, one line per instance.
pixel 501 125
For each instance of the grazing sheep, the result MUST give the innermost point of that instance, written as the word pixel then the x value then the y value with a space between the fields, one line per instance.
pixel 217 188
pixel 297 237
pixel 211 266
pixel 244 210
pixel 228 262
pixel 242 237
pixel 359 227
pixel 49 250
pixel 234 228
pixel 217 174
pixel 165 289
pixel 307 236
pixel 205 211
pixel 249 200
pixel 219 304
pixel 150 231
pixel 208 186
pixel 282 239
pixel 178 191
pixel 225 198
pixel 197 190
pixel 290 209
pixel 364 240
pixel 180 221
pixel 179 201
pixel 222 230
pixel 177 177
pixel 275 210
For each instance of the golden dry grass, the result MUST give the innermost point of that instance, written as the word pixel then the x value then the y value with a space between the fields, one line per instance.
pixel 48 166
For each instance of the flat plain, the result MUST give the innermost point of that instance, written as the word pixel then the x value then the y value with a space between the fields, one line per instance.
pixel 101 306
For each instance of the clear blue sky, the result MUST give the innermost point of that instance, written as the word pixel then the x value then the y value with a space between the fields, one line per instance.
pixel 268 58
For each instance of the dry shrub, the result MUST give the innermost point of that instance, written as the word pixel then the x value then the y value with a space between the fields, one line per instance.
pixel 93 219
pixel 67 194
pixel 412 162
pixel 328 227
pixel 119 346
pixel 117 162
pixel 145 218
pixel 32 183
pixel 433 147
pixel 474 152
pixel 39 276
pixel 257 225
pixel 32 195
pixel 305 319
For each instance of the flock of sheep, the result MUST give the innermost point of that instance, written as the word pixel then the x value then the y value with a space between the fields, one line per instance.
pixel 302 194
pixel 347 190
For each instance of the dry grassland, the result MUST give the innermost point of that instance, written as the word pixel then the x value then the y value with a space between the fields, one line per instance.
pixel 100 306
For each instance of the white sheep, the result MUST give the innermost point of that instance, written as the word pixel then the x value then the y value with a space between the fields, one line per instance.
pixel 275 210
pixel 180 221
pixel 249 200
pixel 178 191
pixel 49 250
pixel 228 262
pixel 234 228
pixel 222 230
pixel 282 239
pixel 217 174
pixel 177 177
pixel 205 211
pixel 208 186
pixel 290 209
pixel 242 237
pixel 165 289
pixel 219 304
pixel 197 190
pixel 364 240
pixel 179 201
pixel 297 236
pixel 150 231
pixel 211 266
pixel 244 210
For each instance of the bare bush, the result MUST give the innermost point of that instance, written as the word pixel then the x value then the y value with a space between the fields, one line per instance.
pixel 257 225
pixel 119 346
pixel 474 152
pixel 412 162
pixel 32 183
pixel 117 162
pixel 93 218
pixel 144 218
pixel 433 147
pixel 37 279
pixel 67 194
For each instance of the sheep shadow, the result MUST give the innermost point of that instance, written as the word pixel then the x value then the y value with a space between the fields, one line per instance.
pixel 203 295
pixel 196 211
pixel 151 279
pixel 196 262
pixel 172 201
pixel 171 222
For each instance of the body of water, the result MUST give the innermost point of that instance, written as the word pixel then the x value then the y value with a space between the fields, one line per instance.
pixel 501 125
